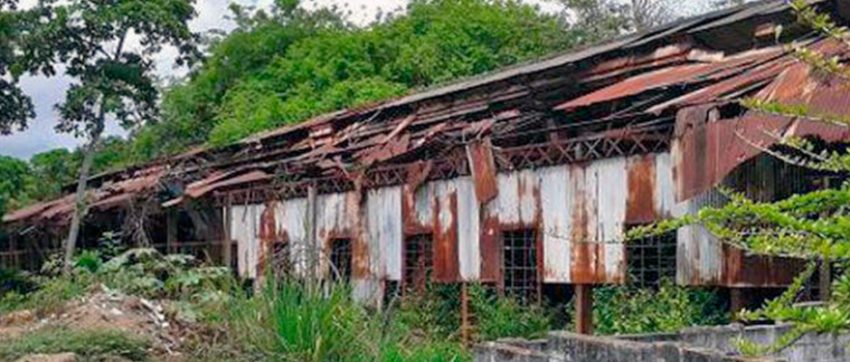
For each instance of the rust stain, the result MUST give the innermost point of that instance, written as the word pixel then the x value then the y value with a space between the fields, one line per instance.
pixel 490 247
pixel 417 174
pixel 268 235
pixel 742 269
pixel 410 218
pixel 359 236
pixel 483 167
pixel 446 267
pixel 640 205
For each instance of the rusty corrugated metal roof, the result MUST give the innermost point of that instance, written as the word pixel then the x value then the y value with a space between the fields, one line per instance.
pixel 511 109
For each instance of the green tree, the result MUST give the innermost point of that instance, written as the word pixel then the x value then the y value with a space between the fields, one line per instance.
pixel 16 108
pixel 288 65
pixel 90 41
pixel 13 178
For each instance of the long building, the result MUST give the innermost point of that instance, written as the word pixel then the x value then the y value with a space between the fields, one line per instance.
pixel 526 178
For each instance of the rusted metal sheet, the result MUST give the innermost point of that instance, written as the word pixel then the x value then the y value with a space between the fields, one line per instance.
pixel 446 268
pixel 612 185
pixel 599 193
pixel 673 75
pixel 292 222
pixel 337 217
pixel 747 270
pixel 699 254
pixel 640 205
pixel 483 169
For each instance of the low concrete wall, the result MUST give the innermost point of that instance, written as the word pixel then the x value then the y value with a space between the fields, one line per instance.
pixel 811 347
pixel 703 344
pixel 569 347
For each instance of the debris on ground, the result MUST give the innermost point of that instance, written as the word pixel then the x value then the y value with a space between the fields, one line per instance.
pixel 104 309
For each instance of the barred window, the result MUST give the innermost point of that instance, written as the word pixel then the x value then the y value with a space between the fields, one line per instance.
pixel 418 262
pixel 651 259
pixel 341 259
pixel 520 264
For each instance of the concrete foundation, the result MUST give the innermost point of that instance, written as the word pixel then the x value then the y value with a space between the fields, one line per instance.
pixel 703 344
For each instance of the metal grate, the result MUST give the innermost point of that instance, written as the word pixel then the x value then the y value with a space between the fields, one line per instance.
pixel 520 264
pixel 341 260
pixel 652 259
pixel 418 262
pixel 281 264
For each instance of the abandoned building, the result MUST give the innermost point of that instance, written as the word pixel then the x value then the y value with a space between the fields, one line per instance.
pixel 526 178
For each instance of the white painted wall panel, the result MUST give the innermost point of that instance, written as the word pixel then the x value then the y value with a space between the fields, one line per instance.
pixel 245 229
pixel 507 202
pixel 468 230
pixel 528 181
pixel 384 227
pixel 291 218
pixel 665 192
pixel 612 192
pixel 557 217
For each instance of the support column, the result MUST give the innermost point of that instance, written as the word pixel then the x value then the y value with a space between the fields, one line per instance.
pixel 226 255
pixel 584 308
pixel 171 232
pixel 825 280
pixel 738 300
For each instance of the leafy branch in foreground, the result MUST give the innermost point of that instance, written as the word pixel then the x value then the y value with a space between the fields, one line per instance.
pixel 814 226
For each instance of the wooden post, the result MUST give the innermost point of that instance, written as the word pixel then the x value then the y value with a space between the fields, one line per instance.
pixel 737 301
pixel 171 232
pixel 226 256
pixel 464 315
pixel 584 308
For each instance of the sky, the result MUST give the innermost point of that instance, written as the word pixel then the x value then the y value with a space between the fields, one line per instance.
pixel 46 92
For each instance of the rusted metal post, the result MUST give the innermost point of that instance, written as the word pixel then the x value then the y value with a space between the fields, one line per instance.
pixel 825 280
pixel 464 315
pixel 737 301
pixel 170 232
pixel 584 308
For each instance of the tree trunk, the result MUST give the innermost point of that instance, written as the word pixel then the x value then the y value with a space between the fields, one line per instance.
pixel 80 201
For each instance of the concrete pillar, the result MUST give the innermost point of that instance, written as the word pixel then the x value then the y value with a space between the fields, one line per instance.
pixel 584 308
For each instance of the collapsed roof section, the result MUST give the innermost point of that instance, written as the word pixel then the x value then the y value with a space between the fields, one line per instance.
pixel 643 93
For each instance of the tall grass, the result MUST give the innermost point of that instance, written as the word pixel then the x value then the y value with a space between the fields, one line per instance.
pixel 292 322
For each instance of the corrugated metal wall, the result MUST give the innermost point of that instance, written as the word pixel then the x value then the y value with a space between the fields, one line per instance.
pixel 580 211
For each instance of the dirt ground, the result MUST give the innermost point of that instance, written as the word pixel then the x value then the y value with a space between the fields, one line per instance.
pixel 101 310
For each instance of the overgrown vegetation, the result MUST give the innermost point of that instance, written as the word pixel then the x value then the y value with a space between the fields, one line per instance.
pixel 92 345
pixel 631 310
pixel 289 319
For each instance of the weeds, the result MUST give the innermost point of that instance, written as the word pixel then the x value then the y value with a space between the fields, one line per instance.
pixel 630 310
pixel 88 344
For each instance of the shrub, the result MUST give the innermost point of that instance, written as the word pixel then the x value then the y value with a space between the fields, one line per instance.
pixel 50 295
pixel 500 317
pixel 89 344
pixel 631 310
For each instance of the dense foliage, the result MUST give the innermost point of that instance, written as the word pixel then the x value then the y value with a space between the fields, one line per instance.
pixel 670 308
pixel 284 67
